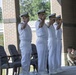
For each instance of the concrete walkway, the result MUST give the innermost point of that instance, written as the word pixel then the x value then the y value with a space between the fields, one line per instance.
pixel 68 70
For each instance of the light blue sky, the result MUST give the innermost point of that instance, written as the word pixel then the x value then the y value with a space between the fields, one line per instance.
pixel 0 3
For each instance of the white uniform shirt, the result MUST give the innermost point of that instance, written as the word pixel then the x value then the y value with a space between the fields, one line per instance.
pixel 25 34
pixel 58 32
pixel 51 33
pixel 41 32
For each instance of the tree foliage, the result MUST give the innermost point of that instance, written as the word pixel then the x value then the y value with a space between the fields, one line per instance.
pixel 0 14
pixel 33 6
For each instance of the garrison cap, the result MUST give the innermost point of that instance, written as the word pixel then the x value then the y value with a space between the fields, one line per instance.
pixel 58 17
pixel 24 14
pixel 41 11
pixel 52 15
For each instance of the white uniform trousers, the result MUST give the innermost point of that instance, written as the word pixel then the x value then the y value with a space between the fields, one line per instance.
pixel 52 61
pixel 59 50
pixel 42 50
pixel 25 48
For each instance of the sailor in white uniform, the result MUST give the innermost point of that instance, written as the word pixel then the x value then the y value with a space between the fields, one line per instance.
pixel 58 32
pixel 52 45
pixel 25 36
pixel 41 42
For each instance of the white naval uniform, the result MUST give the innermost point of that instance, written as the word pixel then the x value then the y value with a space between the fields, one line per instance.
pixel 52 47
pixel 59 44
pixel 41 44
pixel 25 36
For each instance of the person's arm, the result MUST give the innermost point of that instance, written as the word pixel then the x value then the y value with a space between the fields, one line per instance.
pixel 41 23
pixel 75 55
pixel 69 59
pixel 39 31
pixel 58 27
pixel 59 24
pixel 49 24
pixel 23 25
pixel 72 56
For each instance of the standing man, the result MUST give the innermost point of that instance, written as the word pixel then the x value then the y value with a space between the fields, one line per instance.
pixel 25 36
pixel 41 43
pixel 58 32
pixel 52 42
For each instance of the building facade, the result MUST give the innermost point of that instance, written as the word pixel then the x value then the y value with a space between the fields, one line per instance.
pixel 65 8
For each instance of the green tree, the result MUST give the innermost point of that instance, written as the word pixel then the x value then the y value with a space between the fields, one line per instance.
pixel 33 6
pixel 0 14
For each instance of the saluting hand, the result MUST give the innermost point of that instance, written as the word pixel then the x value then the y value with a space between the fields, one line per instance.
pixel 59 26
pixel 23 25
pixel 41 23
pixel 51 22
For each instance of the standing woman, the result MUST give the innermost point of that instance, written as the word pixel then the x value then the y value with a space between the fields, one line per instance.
pixel 25 36
pixel 41 43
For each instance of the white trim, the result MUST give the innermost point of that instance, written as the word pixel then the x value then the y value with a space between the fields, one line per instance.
pixel 51 5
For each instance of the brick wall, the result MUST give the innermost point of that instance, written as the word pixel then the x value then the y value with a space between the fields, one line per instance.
pixel 10 12
pixel 56 7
